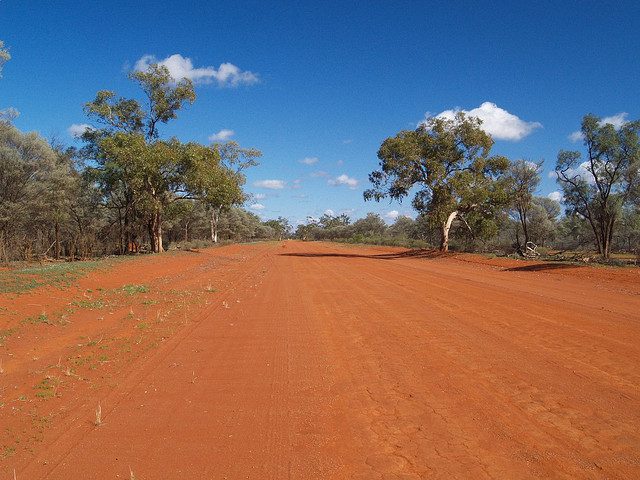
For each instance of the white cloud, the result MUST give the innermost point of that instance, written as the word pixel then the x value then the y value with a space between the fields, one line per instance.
pixel 497 122
pixel 227 74
pixel 617 120
pixel 582 171
pixel 392 214
pixel 260 196
pixel 297 183
pixel 256 206
pixel 309 160
pixel 557 196
pixel 347 141
pixel 329 212
pixel 77 129
pixel 319 174
pixel 222 135
pixel 270 184
pixel 343 179
pixel 576 136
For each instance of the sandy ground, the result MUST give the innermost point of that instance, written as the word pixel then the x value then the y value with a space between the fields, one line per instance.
pixel 319 361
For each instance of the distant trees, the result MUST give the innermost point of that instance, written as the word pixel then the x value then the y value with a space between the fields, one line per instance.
pixel 448 162
pixel 599 187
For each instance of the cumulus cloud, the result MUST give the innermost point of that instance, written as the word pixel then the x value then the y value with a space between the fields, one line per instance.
pixel 270 184
pixel 392 214
pixel 260 196
pixel 343 179
pixel 497 122
pixel 226 75
pixel 319 174
pixel 617 120
pixel 222 136
pixel 329 212
pixel 256 206
pixel 77 129
pixel 557 196
pixel 309 160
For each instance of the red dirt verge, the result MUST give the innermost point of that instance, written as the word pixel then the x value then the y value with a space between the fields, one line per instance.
pixel 320 361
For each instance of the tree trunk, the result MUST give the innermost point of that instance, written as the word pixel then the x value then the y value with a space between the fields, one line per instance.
pixel 155 232
pixel 57 235
pixel 446 226
pixel 215 216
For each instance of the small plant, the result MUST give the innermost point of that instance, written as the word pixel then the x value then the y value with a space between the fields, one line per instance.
pixel 42 318
pixel 134 289
pixel 47 388
pixel 7 452
pixel 90 304
pixel 98 420
pixel 1 368
pixel 131 475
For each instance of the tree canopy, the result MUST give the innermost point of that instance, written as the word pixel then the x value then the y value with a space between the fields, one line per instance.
pixel 598 187
pixel 447 164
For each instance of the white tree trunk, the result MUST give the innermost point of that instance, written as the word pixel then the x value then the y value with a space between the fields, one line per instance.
pixel 446 226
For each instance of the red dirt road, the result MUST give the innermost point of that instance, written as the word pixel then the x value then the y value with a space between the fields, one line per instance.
pixel 321 361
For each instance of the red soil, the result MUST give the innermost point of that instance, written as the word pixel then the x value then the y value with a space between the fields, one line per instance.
pixel 319 361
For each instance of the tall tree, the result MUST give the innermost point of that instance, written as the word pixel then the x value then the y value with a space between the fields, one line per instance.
pixel 221 189
pixel 599 187
pixel 448 162
pixel 523 177
pixel 136 171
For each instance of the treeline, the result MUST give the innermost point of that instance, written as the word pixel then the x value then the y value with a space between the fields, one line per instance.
pixel 548 230
pixel 126 189
pixel 471 200
pixel 51 205
pixel 459 187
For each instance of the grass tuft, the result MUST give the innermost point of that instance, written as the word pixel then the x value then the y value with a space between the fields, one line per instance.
pixel 135 289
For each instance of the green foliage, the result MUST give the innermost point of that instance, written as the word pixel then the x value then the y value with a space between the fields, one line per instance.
pixel 447 164
pixel 135 289
pixel 57 275
pixel 523 178
pixel 598 188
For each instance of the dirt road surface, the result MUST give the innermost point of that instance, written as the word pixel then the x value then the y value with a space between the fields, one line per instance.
pixel 318 361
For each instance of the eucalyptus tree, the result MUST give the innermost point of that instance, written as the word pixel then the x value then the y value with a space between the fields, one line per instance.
pixel 598 187
pixel 524 178
pixel 222 188
pixel 448 165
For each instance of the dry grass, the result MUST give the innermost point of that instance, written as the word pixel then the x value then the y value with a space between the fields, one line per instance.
pixel 98 420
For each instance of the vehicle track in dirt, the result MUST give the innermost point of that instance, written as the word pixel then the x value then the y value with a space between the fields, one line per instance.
pixel 324 361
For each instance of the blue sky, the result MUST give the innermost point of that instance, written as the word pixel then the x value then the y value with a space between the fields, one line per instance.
pixel 331 80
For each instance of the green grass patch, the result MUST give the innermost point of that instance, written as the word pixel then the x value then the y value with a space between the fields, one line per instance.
pixel 135 289
pixel 4 334
pixel 90 304
pixel 42 318
pixel 47 388
pixel 7 452
pixel 61 275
